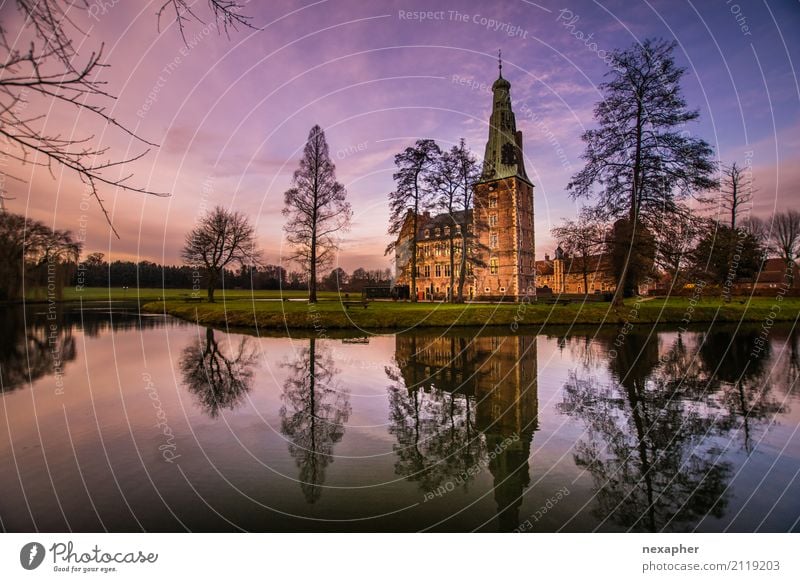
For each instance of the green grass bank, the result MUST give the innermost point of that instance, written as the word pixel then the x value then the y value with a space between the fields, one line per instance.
pixel 330 314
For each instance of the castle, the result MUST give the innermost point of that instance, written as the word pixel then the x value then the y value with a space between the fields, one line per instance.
pixel 500 224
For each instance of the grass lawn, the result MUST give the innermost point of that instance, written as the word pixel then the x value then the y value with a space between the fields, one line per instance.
pixel 329 313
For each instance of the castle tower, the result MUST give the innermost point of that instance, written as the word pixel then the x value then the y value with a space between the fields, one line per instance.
pixel 503 213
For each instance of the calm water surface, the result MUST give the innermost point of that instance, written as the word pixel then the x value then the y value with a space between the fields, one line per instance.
pixel 115 421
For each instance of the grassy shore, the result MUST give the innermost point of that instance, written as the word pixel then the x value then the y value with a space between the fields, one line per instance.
pixel 330 314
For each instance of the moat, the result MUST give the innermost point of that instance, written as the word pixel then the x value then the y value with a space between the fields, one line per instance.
pixel 120 421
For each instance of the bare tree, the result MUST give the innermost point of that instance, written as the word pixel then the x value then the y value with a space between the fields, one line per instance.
pixel 736 191
pixel 226 12
pixel 785 236
pixel 222 238
pixel 411 196
pixel 42 63
pixel 317 210
pixel 757 227
pixel 582 238
pixel 639 162
pixel 468 174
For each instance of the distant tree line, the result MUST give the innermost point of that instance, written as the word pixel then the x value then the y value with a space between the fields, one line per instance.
pixel 95 271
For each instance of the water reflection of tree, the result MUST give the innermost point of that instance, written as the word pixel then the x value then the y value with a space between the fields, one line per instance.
pixel 314 413
pixel 217 378
pixel 29 352
pixel 740 373
pixel 646 446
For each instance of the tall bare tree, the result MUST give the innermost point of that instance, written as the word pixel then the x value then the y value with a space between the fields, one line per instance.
pixel 468 174
pixel 639 162
pixel 317 208
pixel 412 195
pixel 41 70
pixel 444 181
pixel 736 192
pixel 223 237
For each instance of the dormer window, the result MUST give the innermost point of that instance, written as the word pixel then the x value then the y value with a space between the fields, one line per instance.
pixel 446 231
pixel 427 233
pixel 438 231
pixel 458 229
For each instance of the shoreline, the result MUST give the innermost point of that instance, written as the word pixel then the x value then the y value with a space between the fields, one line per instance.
pixel 393 317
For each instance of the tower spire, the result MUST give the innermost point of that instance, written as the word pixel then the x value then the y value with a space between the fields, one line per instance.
pixel 500 61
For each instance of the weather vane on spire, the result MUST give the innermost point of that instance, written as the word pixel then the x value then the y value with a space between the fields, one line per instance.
pixel 500 61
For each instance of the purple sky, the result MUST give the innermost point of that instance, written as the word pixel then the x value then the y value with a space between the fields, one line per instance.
pixel 231 114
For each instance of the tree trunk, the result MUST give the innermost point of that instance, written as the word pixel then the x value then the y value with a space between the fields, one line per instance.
pixel 212 283
pixel 451 297
pixel 462 273
pixel 312 275
pixel 619 292
pixel 413 291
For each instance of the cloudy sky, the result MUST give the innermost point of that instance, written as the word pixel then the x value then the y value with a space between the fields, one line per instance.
pixel 230 114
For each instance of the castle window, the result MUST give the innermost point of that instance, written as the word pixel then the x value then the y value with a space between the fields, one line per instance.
pixel 493 219
pixel 493 202
pixel 427 270
pixel 427 233
pixel 493 265
pixel 438 270
pixel 493 240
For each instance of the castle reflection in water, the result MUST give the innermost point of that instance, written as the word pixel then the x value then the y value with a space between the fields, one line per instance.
pixel 467 401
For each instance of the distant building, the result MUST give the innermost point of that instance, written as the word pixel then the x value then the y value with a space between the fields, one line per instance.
pixel 500 228
pixel 775 274
pixel 565 274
